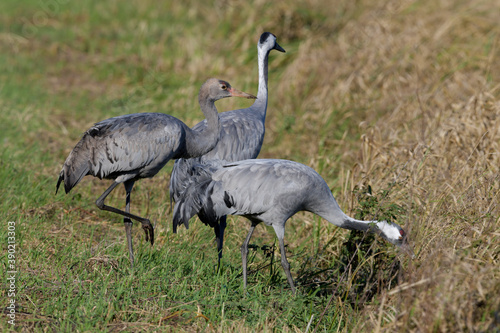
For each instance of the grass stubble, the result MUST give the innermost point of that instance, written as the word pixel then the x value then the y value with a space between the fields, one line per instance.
pixel 395 105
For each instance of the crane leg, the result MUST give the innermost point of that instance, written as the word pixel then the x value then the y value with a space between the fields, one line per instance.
pixel 219 237
pixel 244 253
pixel 146 224
pixel 128 222
pixel 280 232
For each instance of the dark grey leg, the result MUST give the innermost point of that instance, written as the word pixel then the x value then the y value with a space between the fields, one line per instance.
pixel 244 253
pixel 219 237
pixel 285 264
pixel 128 222
pixel 146 224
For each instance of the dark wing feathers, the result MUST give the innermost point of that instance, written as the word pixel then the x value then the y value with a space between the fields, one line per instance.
pixel 196 197
pixel 76 166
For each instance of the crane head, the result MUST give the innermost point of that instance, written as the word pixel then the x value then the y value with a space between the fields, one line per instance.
pixel 268 41
pixel 393 233
pixel 215 89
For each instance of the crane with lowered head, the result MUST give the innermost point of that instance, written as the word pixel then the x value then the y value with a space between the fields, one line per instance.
pixel 269 191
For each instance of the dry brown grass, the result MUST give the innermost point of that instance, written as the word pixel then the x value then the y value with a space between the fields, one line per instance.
pixel 424 78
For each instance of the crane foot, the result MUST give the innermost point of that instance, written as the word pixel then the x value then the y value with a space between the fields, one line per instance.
pixel 149 231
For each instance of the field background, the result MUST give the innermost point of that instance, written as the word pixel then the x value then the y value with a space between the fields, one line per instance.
pixel 395 103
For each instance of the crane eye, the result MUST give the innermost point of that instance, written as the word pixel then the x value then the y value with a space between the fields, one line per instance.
pixel 224 87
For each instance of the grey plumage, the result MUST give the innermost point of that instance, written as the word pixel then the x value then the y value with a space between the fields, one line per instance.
pixel 135 146
pixel 241 136
pixel 269 191
pixel 125 147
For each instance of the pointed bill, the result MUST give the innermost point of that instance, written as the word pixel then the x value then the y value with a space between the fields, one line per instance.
pixel 279 48
pixel 237 93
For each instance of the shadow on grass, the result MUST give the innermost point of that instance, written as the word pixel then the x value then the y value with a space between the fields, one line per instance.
pixel 366 265
pixel 364 268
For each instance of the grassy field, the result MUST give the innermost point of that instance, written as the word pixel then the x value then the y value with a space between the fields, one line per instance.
pixel 396 104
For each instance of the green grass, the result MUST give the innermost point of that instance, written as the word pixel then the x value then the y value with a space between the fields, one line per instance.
pixel 70 284
pixel 395 105
pixel 73 270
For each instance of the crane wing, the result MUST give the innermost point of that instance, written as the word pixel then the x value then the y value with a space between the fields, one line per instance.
pixel 252 187
pixel 241 137
pixel 139 143
pixel 125 147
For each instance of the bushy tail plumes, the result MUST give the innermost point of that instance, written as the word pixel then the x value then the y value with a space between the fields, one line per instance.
pixel 188 205
pixel 183 170
pixel 195 195
pixel 75 167
pixel 61 178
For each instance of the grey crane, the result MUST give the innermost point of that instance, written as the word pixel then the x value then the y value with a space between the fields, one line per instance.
pixel 241 136
pixel 269 191
pixel 130 147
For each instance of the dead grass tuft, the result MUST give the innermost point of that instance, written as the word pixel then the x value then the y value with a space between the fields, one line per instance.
pixel 101 262
pixel 441 148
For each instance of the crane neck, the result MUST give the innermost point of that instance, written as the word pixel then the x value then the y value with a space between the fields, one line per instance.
pixel 331 211
pixel 200 142
pixel 353 224
pixel 382 228
pixel 263 59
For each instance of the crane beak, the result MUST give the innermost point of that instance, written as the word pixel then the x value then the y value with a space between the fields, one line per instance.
pixel 406 248
pixel 237 93
pixel 279 48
